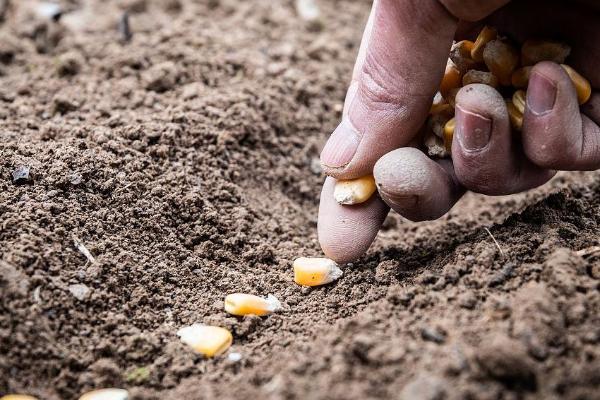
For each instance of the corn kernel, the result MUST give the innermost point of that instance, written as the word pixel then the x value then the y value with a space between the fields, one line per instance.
pixel 452 78
pixel 205 339
pixel 449 134
pixel 452 97
pixel 514 115
pixel 247 304
pixel 518 99
pixel 460 54
pixel 436 123
pixel 17 397
pixel 582 85
pixel 501 59
pixel 439 105
pixel 520 77
pixel 354 191
pixel 474 76
pixel 309 271
pixel 106 394
pixel 486 35
pixel 534 51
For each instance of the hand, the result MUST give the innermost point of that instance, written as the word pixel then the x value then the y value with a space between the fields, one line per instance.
pixel 399 67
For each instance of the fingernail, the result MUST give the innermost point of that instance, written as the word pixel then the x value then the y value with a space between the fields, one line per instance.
pixel 541 94
pixel 472 130
pixel 341 146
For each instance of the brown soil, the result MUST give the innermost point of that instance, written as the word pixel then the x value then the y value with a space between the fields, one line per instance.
pixel 186 161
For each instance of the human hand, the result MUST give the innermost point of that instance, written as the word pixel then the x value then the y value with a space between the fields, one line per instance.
pixel 398 70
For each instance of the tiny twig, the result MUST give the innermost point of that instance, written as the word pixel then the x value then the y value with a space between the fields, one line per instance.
pixel 81 247
pixel 589 251
pixel 495 241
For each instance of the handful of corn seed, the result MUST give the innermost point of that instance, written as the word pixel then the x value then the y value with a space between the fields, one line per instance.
pixel 492 60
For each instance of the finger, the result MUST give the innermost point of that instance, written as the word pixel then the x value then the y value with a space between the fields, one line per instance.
pixel 346 232
pixel 555 133
pixel 400 65
pixel 485 155
pixel 415 186
pixel 472 10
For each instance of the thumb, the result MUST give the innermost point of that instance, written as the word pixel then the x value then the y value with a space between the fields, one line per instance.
pixel 399 68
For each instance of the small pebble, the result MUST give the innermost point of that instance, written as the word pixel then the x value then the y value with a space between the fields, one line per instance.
pixel 234 357
pixel 21 175
pixel 79 291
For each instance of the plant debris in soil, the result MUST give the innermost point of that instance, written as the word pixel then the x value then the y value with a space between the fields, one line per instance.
pixel 180 164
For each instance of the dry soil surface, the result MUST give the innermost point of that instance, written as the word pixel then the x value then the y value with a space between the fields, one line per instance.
pixel 186 161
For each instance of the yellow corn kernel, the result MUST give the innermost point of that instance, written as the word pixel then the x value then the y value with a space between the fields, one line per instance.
pixel 520 77
pixel 313 271
pixel 17 397
pixel 534 51
pixel 486 35
pixel 514 115
pixel 206 339
pixel 354 191
pixel 474 76
pixel 501 59
pixel 248 304
pixel 518 99
pixel 439 105
pixel 460 54
pixel 449 134
pixel 452 78
pixel 436 123
pixel 106 394
pixel 582 85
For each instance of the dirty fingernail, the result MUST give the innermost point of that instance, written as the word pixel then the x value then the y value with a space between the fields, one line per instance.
pixel 541 94
pixel 473 130
pixel 341 146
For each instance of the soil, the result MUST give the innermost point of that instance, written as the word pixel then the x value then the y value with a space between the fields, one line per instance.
pixel 186 161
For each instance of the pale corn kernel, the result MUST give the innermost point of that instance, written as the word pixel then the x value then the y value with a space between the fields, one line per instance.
pixel 435 146
pixel 436 123
pixel 452 78
pixel 484 77
pixel 514 115
pixel 309 271
pixel 518 99
pixel 449 134
pixel 501 59
pixel 486 35
pixel 460 54
pixel 534 51
pixel 17 397
pixel 439 105
pixel 106 394
pixel 520 77
pixel 248 304
pixel 354 191
pixel 206 339
pixel 582 85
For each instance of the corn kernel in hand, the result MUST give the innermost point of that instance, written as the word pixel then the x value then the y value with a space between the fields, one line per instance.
pixel 483 77
pixel 520 77
pixel 535 51
pixel 309 271
pixel 582 85
pixel 449 134
pixel 354 191
pixel 486 35
pixel 514 115
pixel 247 304
pixel 501 59
pixel 518 99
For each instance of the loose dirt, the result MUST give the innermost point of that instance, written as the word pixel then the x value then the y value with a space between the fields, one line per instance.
pixel 185 160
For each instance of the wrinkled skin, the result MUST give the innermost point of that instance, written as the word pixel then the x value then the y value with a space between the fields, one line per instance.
pixel 399 67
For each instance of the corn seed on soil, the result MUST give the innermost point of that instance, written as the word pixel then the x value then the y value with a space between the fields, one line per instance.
pixel 186 162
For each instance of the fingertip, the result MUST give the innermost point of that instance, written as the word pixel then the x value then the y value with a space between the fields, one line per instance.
pixel 346 232
pixel 414 185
